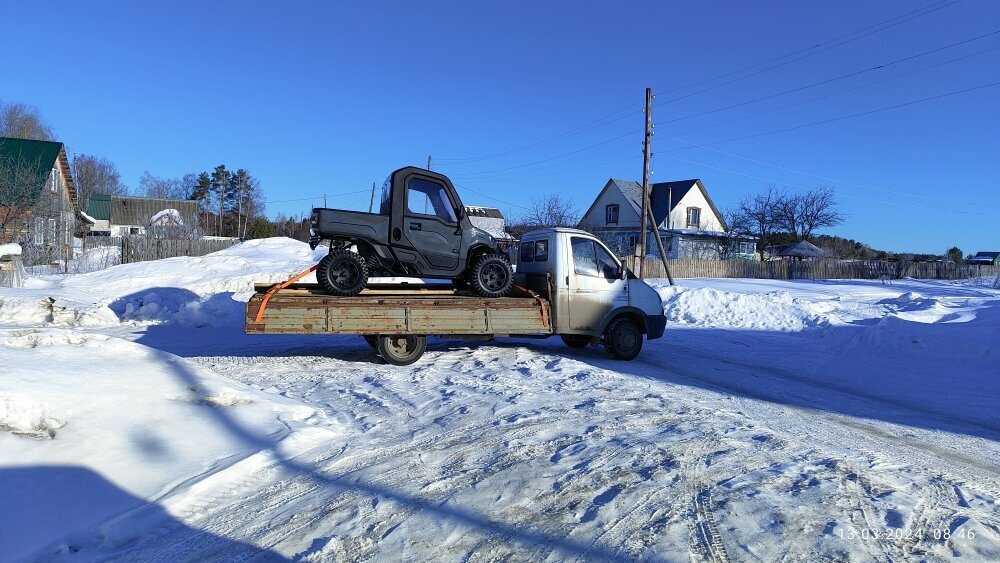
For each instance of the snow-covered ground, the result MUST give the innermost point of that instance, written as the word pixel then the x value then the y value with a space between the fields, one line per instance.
pixel 825 421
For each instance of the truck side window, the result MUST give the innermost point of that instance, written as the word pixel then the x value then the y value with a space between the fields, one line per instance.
pixel 424 197
pixel 541 250
pixel 605 263
pixel 527 252
pixel 584 257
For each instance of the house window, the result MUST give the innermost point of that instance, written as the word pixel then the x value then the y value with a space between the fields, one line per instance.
pixel 633 241
pixel 694 217
pixel 54 187
pixel 52 231
pixel 611 214
pixel 39 231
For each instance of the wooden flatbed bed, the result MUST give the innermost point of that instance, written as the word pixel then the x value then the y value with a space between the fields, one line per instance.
pixel 396 309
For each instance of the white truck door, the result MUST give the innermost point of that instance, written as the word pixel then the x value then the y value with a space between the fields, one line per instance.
pixel 595 287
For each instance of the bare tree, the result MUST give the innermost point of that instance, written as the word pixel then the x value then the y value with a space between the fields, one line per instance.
pixel 23 121
pixel 548 211
pixel 20 184
pixel 802 214
pixel 162 188
pixel 754 216
pixel 95 175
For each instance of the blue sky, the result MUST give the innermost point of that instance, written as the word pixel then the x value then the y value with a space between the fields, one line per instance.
pixel 328 97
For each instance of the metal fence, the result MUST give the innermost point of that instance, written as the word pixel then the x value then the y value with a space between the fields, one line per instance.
pixel 143 248
pixel 813 269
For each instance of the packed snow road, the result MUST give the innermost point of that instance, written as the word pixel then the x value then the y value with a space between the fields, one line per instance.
pixel 774 421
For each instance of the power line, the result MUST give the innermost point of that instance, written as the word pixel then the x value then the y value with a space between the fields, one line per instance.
pixel 491 197
pixel 321 196
pixel 825 121
pixel 836 93
pixel 886 24
pixel 829 179
pixel 773 181
pixel 772 67
pixel 553 173
pixel 829 80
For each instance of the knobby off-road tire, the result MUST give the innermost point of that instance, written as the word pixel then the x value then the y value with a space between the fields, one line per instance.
pixel 342 273
pixel 575 340
pixel 623 339
pixel 401 349
pixel 491 276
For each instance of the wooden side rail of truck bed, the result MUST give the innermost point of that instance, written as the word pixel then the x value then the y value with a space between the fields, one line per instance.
pixel 395 309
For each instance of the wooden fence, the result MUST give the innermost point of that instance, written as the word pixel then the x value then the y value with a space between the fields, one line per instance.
pixel 143 248
pixel 12 273
pixel 813 269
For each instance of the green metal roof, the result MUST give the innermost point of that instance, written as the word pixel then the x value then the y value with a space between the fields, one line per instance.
pixel 39 155
pixel 99 207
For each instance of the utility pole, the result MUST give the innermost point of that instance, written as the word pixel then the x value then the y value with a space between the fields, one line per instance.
pixel 428 162
pixel 372 202
pixel 641 248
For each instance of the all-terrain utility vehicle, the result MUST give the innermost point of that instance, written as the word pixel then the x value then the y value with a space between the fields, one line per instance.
pixel 421 230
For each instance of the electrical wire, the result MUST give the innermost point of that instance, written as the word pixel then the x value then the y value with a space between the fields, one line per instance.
pixel 319 197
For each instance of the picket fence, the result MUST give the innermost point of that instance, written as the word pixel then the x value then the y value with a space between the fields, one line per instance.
pixel 813 269
pixel 143 248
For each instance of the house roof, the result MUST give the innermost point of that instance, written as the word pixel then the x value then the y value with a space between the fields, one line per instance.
pixel 802 249
pixel 662 196
pixel 476 211
pixel 40 156
pixel 99 207
pixel 490 220
pixel 993 255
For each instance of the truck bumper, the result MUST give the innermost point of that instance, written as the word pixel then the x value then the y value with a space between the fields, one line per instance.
pixel 655 325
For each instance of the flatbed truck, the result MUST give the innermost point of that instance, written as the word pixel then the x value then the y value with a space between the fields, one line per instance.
pixel 567 283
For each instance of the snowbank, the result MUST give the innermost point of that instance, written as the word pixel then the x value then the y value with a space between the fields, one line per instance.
pixel 712 308
pixel 10 249
pixel 140 419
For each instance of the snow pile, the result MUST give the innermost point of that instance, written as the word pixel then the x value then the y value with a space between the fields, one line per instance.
pixel 113 423
pixel 10 249
pixel 167 217
pixel 712 308
pixel 27 418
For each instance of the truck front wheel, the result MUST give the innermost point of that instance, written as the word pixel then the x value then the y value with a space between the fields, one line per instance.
pixel 343 273
pixel 491 276
pixel 401 349
pixel 623 339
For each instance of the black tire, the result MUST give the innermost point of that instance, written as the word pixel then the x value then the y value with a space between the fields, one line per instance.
pixel 343 273
pixel 575 340
pixel 491 276
pixel 623 339
pixel 372 340
pixel 401 349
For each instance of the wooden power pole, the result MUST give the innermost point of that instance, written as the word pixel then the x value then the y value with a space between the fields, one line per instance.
pixel 428 162
pixel 645 182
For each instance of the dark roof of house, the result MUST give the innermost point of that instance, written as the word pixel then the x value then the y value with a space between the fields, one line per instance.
pixel 99 207
pixel 802 249
pixel 993 255
pixel 39 156
pixel 120 210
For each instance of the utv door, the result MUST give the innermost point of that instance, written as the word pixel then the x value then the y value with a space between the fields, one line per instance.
pixel 595 288
pixel 430 225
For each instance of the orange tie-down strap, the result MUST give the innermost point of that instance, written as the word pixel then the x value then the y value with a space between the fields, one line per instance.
pixel 279 287
pixel 541 303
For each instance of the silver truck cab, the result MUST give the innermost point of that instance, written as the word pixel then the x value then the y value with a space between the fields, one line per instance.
pixel 593 295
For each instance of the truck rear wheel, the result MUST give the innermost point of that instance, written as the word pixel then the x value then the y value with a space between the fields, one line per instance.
pixel 343 273
pixel 623 339
pixel 401 349
pixel 491 276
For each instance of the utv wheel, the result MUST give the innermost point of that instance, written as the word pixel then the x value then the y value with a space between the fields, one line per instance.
pixel 401 349
pixel 343 273
pixel 575 340
pixel 623 339
pixel 491 276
